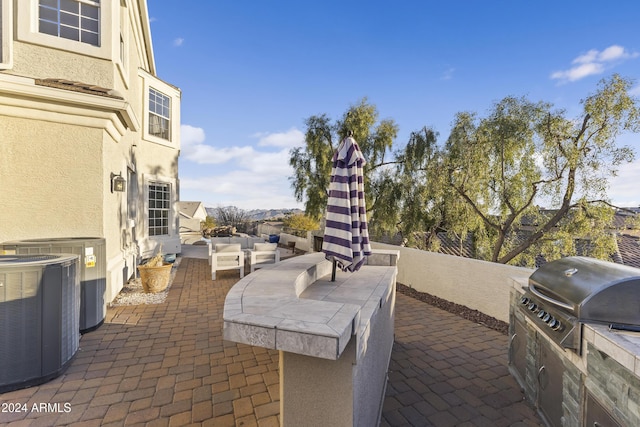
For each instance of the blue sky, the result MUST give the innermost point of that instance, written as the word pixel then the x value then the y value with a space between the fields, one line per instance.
pixel 251 72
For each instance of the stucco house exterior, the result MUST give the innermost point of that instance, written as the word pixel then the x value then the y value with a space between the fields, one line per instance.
pixel 82 110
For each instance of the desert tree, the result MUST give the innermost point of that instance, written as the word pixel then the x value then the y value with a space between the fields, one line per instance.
pixel 491 174
pixel 231 216
pixel 312 163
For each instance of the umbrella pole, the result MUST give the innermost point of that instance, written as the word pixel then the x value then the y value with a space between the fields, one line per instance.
pixel 333 271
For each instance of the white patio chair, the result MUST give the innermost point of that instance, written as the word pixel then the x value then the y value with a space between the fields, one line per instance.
pixel 227 257
pixel 263 253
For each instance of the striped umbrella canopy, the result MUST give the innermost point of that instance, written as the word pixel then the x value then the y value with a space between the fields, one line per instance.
pixel 346 237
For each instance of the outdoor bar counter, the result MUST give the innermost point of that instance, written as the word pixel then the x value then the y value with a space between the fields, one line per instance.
pixel 334 338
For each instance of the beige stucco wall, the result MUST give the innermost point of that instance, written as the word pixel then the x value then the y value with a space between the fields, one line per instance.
pixel 310 385
pixel 51 177
pixel 480 285
pixel 29 60
pixel 120 241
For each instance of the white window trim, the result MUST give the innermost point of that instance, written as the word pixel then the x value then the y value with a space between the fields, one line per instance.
pixel 123 63
pixel 173 203
pixel 27 30
pixel 174 94
pixel 165 191
pixel 6 34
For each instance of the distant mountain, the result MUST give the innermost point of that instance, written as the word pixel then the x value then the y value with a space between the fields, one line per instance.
pixel 263 214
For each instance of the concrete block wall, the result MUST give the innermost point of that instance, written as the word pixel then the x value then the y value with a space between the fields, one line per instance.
pixel 480 285
pixel 301 242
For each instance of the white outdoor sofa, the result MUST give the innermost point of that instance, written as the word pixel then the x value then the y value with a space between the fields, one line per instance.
pixel 245 242
pixel 227 257
pixel 263 253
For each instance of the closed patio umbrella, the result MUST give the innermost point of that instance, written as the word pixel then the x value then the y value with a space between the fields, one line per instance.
pixel 346 237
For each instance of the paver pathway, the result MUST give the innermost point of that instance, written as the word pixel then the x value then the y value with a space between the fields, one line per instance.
pixel 167 365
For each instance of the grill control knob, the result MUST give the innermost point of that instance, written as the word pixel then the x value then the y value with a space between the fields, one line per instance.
pixel 554 324
pixel 533 306
pixel 541 313
pixel 546 318
pixel 524 300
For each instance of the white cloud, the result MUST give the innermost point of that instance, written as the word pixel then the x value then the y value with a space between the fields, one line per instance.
pixel 613 53
pixel 448 74
pixel 588 57
pixel 207 155
pixel 253 177
pixel 623 189
pixel 579 72
pixel 191 136
pixel 194 149
pixel 289 139
pixel 594 62
pixel 178 42
pixel 268 163
pixel 242 189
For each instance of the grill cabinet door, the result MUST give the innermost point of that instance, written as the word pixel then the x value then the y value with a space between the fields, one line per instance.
pixel 518 351
pixel 550 374
pixel 597 416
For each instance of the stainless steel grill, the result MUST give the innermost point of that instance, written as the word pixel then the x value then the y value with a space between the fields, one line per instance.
pixel 564 294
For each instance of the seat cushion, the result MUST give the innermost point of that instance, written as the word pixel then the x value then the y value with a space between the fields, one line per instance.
pixel 233 247
pixel 265 246
pixel 227 261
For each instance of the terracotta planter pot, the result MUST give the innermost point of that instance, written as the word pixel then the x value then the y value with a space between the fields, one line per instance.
pixel 155 279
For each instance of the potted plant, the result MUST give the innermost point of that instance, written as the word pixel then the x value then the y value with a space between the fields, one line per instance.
pixel 155 274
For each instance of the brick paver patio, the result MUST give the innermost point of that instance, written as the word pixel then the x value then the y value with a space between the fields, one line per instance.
pixel 167 365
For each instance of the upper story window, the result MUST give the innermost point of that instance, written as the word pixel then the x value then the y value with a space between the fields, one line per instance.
pixel 159 114
pixel 77 20
pixel 161 111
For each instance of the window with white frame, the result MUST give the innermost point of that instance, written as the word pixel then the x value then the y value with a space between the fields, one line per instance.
pixel 2 36
pixel 6 18
pixel 161 111
pixel 159 208
pixel 159 114
pixel 77 20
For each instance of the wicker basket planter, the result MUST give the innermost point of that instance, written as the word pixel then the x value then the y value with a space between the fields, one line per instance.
pixel 155 279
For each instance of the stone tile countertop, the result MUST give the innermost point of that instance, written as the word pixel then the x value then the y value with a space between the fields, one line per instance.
pixel 294 306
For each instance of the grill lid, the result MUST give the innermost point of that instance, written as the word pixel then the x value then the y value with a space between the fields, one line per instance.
pixel 590 289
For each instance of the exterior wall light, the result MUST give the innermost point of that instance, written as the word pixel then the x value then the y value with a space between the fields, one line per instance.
pixel 118 183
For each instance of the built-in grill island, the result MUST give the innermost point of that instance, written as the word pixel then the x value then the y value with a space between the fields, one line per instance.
pixel 575 342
